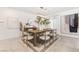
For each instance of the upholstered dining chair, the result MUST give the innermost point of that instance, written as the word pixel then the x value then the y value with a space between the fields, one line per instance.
pixel 22 33
pixel 44 37
pixel 55 35
pixel 29 36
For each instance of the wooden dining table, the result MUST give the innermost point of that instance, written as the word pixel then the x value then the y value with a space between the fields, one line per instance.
pixel 36 32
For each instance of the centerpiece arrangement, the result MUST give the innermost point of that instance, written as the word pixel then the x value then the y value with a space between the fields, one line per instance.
pixel 42 22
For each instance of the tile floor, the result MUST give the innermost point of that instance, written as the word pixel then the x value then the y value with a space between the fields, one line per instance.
pixel 64 44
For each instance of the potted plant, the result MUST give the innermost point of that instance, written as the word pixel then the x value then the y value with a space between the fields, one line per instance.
pixel 38 20
pixel 42 21
pixel 46 22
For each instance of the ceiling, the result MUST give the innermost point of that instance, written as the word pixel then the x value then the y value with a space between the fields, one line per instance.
pixel 45 10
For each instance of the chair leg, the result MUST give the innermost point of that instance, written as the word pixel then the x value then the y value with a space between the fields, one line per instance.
pixel 26 40
pixel 45 42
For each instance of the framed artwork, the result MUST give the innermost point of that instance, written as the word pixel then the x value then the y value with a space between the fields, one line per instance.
pixel 2 22
pixel 12 23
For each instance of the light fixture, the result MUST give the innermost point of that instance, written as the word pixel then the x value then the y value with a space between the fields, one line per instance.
pixel 43 8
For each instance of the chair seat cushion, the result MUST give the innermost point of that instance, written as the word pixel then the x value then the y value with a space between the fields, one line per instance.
pixel 43 37
pixel 28 37
pixel 47 33
pixel 25 33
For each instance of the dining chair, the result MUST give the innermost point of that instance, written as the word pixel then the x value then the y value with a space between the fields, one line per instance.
pixel 24 33
pixel 21 30
pixel 30 36
pixel 55 35
pixel 44 37
pixel 27 36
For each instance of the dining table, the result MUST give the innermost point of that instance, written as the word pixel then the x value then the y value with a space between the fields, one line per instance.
pixel 36 33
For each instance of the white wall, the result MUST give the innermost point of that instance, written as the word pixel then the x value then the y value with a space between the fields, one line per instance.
pixel 55 23
pixel 9 22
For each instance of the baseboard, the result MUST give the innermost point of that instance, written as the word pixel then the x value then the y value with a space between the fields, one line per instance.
pixel 68 35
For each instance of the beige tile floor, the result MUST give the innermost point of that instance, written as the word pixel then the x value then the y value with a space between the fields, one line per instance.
pixel 65 44
pixel 13 45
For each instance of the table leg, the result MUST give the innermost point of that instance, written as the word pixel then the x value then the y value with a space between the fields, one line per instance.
pixel 45 42
pixel 35 39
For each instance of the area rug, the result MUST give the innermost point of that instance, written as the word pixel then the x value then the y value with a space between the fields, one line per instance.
pixel 40 47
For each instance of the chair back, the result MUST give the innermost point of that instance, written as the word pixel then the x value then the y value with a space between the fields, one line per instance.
pixel 21 26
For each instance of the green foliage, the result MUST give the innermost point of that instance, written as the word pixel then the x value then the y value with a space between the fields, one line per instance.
pixel 42 21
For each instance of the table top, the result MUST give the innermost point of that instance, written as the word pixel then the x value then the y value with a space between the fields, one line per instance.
pixel 39 31
pixel 33 29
